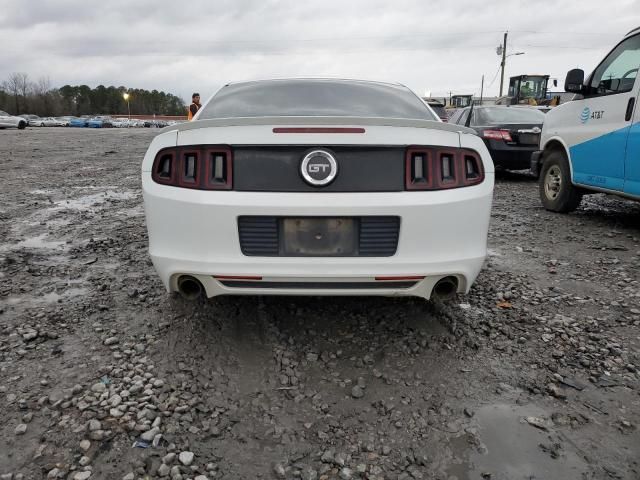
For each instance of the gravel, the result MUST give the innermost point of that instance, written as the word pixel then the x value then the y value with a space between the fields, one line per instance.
pixel 357 392
pixel 117 379
pixel 21 429
pixel 186 458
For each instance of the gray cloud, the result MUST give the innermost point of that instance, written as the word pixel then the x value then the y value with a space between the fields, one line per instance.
pixel 200 45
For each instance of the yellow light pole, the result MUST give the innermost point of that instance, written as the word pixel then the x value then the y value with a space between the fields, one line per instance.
pixel 126 98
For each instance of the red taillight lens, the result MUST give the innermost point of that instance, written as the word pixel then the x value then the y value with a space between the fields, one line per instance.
pixel 164 167
pixel 419 170
pixel 433 168
pixel 497 135
pixel 203 167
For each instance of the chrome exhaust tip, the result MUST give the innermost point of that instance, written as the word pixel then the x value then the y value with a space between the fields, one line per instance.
pixel 190 287
pixel 445 288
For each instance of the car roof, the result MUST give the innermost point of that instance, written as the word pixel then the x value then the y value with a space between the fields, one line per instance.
pixel 316 79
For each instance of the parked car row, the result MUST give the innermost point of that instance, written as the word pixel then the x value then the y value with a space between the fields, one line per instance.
pixel 110 122
pixel 49 122
pixel 99 121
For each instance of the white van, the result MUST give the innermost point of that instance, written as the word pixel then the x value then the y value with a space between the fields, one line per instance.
pixel 592 144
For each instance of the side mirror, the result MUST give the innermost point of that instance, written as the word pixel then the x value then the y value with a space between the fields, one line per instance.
pixel 555 82
pixel 574 82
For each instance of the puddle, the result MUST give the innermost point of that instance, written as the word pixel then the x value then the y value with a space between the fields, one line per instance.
pixel 136 211
pixel 508 448
pixel 52 297
pixel 40 242
pixel 61 209
pixel 42 192
pixel 111 266
pixel 87 201
pixel 55 222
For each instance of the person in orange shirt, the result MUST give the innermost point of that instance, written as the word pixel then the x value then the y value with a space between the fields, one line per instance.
pixel 195 106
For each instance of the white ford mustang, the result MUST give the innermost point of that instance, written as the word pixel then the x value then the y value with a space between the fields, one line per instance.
pixel 317 187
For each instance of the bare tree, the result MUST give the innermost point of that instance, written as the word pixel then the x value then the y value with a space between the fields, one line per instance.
pixel 13 86
pixel 41 90
pixel 24 84
pixel 18 87
pixel 42 86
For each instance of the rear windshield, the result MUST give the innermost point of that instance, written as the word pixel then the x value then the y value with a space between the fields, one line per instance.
pixel 510 115
pixel 315 98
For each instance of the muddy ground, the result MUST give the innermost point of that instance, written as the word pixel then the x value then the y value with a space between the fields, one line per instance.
pixel 103 375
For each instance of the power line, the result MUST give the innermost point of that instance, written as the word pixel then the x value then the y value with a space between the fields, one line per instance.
pixel 494 78
pixel 564 33
pixel 565 47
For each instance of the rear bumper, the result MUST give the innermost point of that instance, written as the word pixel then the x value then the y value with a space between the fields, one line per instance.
pixel 193 232
pixel 320 280
pixel 512 159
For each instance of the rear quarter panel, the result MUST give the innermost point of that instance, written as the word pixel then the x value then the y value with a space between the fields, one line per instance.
pixel 163 140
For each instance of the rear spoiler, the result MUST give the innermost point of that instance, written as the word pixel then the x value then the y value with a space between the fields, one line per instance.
pixel 343 121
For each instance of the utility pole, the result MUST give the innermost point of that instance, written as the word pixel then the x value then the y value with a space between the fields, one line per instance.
pixel 481 89
pixel 450 93
pixel 126 97
pixel 504 57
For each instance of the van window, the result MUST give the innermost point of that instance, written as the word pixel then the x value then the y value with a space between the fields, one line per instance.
pixel 617 73
pixel 455 116
pixel 463 119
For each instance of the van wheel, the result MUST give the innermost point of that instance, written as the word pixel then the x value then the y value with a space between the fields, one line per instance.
pixel 556 190
pixel 22 125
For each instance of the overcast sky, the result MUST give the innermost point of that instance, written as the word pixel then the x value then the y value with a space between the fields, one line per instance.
pixel 186 46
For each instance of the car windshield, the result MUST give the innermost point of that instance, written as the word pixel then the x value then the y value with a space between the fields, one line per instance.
pixel 3 114
pixel 498 115
pixel 315 98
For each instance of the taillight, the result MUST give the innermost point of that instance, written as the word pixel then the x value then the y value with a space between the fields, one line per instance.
pixel 497 135
pixel 433 168
pixel 203 167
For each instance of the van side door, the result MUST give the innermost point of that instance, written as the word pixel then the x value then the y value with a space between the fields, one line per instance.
pixel 632 165
pixel 599 154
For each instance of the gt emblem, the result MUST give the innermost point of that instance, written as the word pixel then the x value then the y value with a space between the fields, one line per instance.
pixel 319 168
